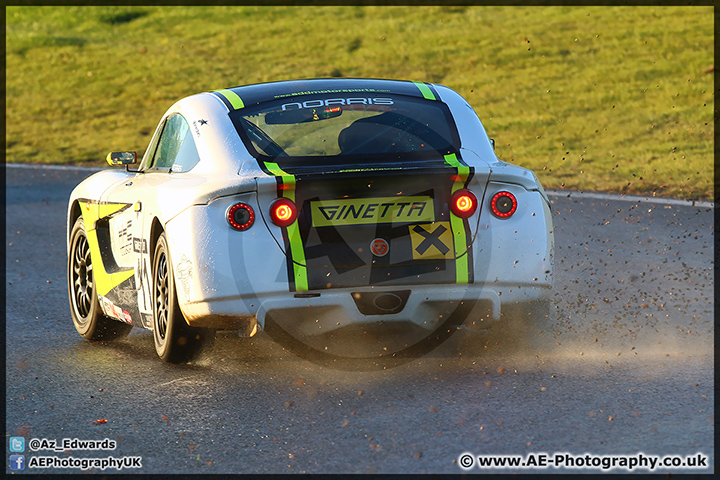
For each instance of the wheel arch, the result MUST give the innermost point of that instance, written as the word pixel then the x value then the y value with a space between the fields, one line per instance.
pixel 73 214
pixel 156 229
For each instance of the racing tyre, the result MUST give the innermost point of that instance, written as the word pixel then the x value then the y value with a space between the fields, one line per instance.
pixel 87 315
pixel 175 340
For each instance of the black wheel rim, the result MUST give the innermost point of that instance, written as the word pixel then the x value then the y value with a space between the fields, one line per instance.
pixel 161 296
pixel 82 278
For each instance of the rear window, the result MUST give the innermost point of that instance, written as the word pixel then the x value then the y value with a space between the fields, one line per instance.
pixel 375 127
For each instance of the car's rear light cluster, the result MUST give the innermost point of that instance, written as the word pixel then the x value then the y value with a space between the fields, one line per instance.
pixel 241 216
pixel 463 203
pixel 283 212
pixel 503 204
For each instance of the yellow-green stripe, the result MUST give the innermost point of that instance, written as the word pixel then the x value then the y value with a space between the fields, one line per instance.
pixel 298 255
pixel 286 178
pixel 233 98
pixel 297 252
pixel 425 90
pixel 462 273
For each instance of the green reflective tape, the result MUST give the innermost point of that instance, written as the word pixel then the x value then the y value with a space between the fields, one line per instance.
pixel 233 98
pixel 461 263
pixel 425 90
pixel 287 179
pixel 463 171
pixel 297 251
pixel 298 256
pixel 452 160
pixel 457 225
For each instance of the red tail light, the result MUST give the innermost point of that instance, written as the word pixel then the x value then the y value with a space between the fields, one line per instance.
pixel 503 204
pixel 463 203
pixel 241 216
pixel 283 212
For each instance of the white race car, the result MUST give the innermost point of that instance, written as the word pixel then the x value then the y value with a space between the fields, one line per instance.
pixel 309 207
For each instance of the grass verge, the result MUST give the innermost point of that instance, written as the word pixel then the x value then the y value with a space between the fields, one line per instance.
pixel 616 99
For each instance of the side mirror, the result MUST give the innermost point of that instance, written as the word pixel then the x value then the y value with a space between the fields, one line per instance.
pixel 492 142
pixel 121 158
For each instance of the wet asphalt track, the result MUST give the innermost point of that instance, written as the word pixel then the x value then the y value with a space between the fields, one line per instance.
pixel 626 367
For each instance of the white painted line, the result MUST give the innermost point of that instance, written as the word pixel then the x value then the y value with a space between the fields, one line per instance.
pixel 53 167
pixel 551 193
pixel 629 198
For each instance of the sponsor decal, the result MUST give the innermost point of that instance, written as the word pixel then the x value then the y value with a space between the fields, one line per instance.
pixel 344 90
pixel 432 241
pixel 379 247
pixel 184 274
pixel 112 310
pixel 117 312
pixel 106 306
pixel 125 238
pixel 142 278
pixel 139 245
pixel 333 102
pixel 365 211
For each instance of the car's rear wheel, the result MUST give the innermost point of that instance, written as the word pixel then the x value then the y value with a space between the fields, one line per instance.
pixel 175 340
pixel 87 315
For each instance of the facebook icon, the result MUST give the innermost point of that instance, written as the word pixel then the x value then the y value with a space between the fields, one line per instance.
pixel 17 462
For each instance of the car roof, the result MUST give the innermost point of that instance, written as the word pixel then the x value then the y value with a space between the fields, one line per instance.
pixel 263 92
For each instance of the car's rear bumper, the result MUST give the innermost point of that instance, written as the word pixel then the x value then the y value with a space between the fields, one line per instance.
pixel 314 313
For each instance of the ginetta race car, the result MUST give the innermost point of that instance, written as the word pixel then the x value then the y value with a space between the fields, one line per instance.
pixel 315 205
